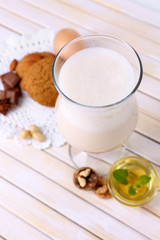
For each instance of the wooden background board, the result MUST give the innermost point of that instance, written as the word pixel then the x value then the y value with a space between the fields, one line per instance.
pixel 37 197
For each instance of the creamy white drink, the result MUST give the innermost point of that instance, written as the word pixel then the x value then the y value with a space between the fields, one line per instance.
pixel 96 77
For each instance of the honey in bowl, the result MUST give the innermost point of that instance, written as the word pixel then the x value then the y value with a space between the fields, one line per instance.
pixel 133 181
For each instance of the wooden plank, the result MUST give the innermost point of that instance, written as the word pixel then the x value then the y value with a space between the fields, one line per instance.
pixel 155 87
pixel 139 145
pixel 17 24
pixel 144 147
pixel 53 195
pixel 152 208
pixel 117 18
pixel 148 126
pixel 33 17
pixel 151 66
pixel 63 154
pixel 65 11
pixel 39 215
pixel 150 86
pixel 49 20
pixel 134 10
pixel 92 23
pixel 154 5
pixel 148 105
pixel 13 228
pixel 5 33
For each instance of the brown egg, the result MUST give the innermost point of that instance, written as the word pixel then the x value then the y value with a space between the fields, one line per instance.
pixel 63 37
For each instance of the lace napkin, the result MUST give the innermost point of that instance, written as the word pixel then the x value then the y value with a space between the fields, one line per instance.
pixel 28 112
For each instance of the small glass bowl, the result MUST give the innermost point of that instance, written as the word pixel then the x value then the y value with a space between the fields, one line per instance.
pixel 136 167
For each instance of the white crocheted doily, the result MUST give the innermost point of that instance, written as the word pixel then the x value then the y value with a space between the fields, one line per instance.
pixel 28 112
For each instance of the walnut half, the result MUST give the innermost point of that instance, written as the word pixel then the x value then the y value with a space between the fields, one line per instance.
pixel 102 190
pixel 85 178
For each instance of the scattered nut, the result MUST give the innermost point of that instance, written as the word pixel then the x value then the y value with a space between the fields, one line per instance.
pixel 102 190
pixel 24 134
pixel 34 128
pixel 34 57
pixel 31 59
pixel 33 131
pixel 28 64
pixel 85 178
pixel 13 65
pixel 85 173
pixel 82 182
pixel 38 136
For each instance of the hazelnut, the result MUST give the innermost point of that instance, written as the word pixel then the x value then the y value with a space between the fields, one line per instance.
pixel 102 190
pixel 34 128
pixel 24 134
pixel 38 136
pixel 85 178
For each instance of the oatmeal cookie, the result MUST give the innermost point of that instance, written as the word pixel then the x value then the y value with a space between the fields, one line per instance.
pixel 35 71
pixel 37 81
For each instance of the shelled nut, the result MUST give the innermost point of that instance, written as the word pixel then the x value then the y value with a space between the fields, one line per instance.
pixel 34 128
pixel 38 136
pixel 102 190
pixel 85 178
pixel 82 182
pixel 24 134
pixel 85 173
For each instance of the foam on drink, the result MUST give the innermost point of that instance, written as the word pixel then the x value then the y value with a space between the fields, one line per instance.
pixel 96 77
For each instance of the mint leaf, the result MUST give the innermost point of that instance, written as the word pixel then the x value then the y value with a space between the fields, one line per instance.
pixel 144 179
pixel 121 176
pixel 131 190
pixel 138 186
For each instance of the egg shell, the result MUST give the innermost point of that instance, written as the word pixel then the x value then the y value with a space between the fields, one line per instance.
pixel 63 37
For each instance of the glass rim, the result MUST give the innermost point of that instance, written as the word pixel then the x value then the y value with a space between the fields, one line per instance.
pixel 125 202
pixel 99 36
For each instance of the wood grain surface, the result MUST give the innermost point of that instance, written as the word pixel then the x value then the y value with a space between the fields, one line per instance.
pixel 38 200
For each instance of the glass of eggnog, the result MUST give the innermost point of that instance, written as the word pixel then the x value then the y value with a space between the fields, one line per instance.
pixel 97 77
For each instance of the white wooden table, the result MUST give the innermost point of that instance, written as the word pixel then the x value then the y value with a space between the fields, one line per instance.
pixel 37 197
